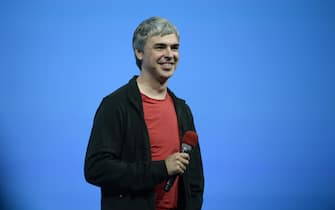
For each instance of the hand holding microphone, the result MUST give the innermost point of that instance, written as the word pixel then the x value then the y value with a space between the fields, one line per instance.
pixel 176 164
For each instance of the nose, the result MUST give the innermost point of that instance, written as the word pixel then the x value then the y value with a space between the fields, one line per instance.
pixel 168 52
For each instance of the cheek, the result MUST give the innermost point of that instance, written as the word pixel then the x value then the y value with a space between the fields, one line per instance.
pixel 176 57
pixel 152 58
pixel 158 57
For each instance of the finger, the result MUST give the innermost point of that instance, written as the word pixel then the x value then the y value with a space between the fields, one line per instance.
pixel 182 156
pixel 181 169
pixel 185 156
pixel 184 162
pixel 183 166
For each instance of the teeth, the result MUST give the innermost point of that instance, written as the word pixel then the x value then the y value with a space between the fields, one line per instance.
pixel 167 64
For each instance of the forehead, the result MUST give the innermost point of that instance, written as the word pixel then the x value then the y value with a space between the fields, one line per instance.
pixel 169 39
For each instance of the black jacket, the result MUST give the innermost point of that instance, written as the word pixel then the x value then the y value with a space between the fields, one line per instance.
pixel 118 157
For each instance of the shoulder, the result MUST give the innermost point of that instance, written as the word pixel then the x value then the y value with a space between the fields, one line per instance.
pixel 118 95
pixel 176 99
pixel 123 94
pixel 115 102
pixel 184 113
pixel 181 105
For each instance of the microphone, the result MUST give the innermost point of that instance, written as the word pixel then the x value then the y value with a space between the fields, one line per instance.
pixel 189 140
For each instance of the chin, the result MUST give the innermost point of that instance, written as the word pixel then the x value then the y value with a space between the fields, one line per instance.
pixel 168 73
pixel 164 77
pixel 169 70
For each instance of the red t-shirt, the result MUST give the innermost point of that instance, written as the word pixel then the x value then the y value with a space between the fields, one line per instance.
pixel 161 121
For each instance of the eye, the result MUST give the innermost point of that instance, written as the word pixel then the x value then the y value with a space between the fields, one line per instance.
pixel 159 46
pixel 175 47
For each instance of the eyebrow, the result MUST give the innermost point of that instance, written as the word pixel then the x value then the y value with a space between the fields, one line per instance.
pixel 164 45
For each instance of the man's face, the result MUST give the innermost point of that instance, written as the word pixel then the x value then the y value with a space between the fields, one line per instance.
pixel 160 56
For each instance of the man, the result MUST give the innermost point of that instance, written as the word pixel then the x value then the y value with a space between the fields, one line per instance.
pixel 135 141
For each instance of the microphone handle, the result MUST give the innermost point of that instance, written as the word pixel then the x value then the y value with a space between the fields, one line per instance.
pixel 169 183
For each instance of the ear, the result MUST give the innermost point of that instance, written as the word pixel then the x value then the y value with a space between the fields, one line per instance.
pixel 139 54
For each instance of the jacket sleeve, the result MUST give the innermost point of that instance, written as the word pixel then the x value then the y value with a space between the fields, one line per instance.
pixel 196 176
pixel 103 165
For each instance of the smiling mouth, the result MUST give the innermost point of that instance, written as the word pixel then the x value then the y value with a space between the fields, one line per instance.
pixel 167 65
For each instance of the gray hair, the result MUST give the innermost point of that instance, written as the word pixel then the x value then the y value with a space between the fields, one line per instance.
pixel 151 27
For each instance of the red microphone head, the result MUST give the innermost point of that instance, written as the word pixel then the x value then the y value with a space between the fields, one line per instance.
pixel 190 138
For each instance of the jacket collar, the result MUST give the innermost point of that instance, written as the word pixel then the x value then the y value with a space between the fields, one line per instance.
pixel 134 95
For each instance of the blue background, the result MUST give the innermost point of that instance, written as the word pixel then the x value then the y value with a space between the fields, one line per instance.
pixel 258 75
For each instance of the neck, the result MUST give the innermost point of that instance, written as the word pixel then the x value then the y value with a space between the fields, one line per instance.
pixel 152 88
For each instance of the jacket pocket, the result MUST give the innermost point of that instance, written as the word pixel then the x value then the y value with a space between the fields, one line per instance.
pixel 116 202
